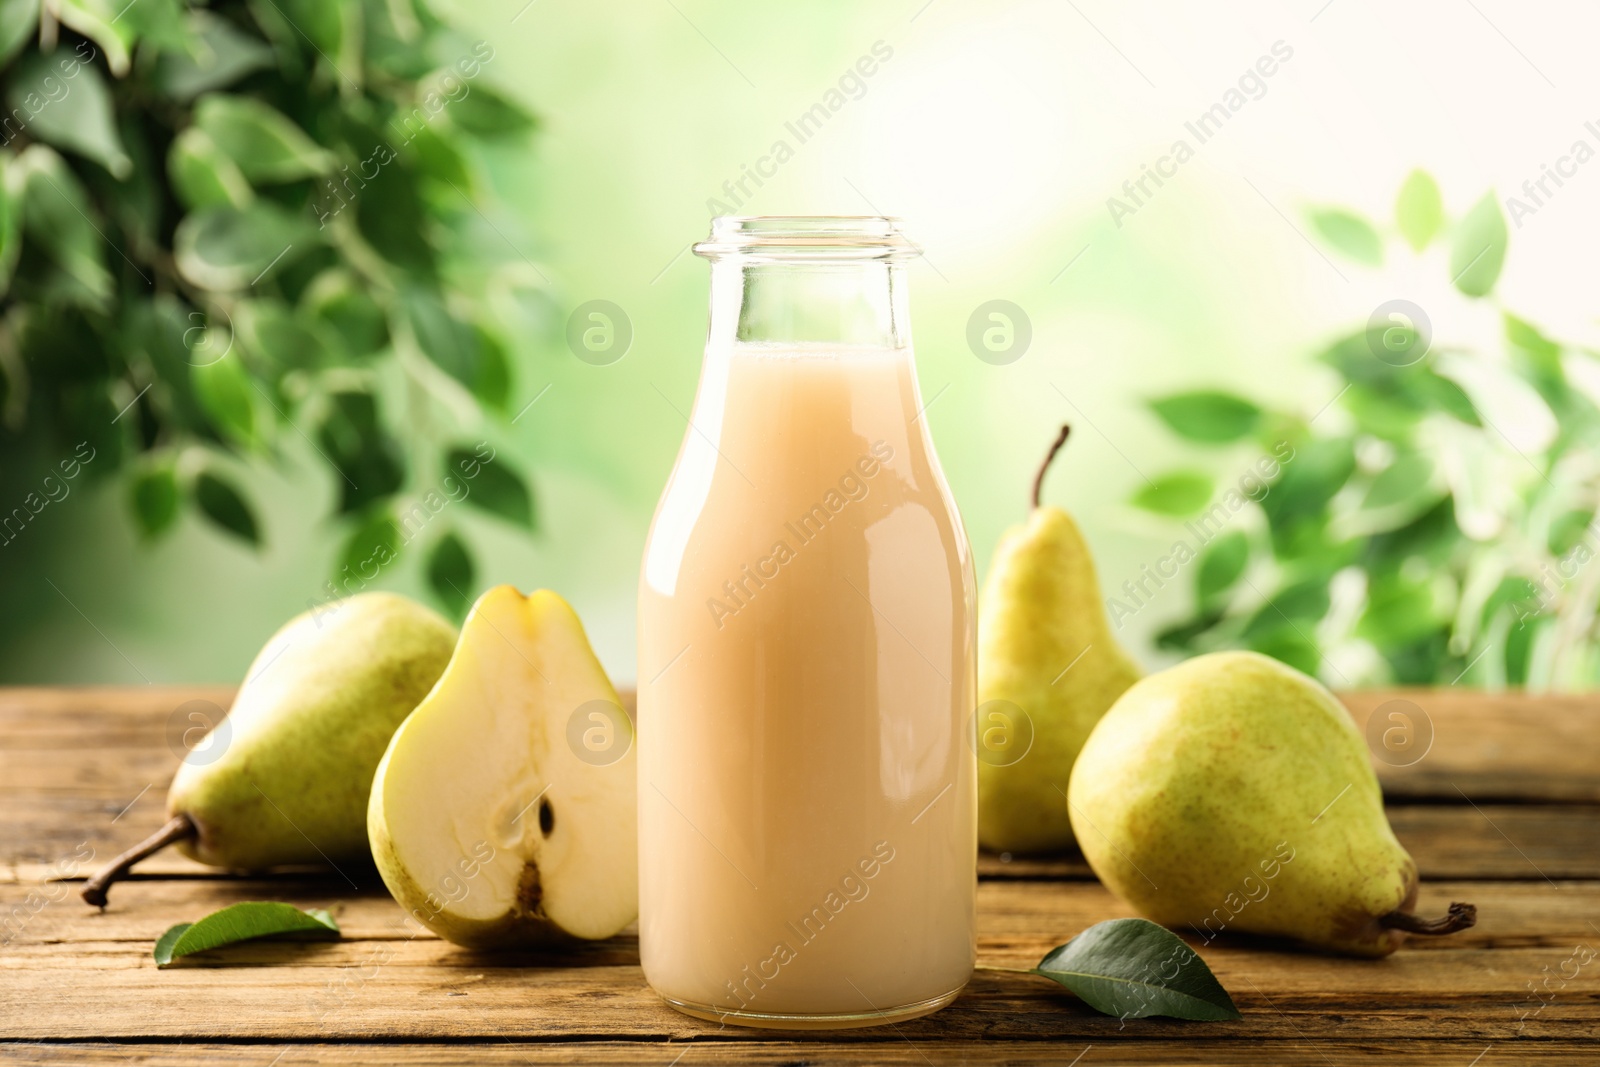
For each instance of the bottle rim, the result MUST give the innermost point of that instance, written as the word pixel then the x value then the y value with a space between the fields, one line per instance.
pixel 807 237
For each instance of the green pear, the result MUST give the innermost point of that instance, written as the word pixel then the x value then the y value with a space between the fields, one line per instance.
pixel 505 811
pixel 1233 794
pixel 1048 668
pixel 284 778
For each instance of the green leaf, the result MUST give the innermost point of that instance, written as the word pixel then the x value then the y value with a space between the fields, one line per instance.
pixel 1208 415
pixel 1222 565
pixel 223 387
pixel 1419 210
pixel 1291 647
pixel 1179 493
pixel 219 54
pixel 66 104
pixel 492 486
pixel 1121 967
pixel 154 497
pixel 371 546
pixel 226 248
pixel 241 922
pixel 1318 470
pixel 95 20
pixel 56 220
pixel 336 298
pixel 1567 529
pixel 1349 234
pixel 1479 247
pixel 369 463
pixel 1408 477
pixel 225 506
pixel 18 19
pixel 458 348
pixel 264 142
pixel 10 227
pixel 485 113
pixel 273 333
pixel 450 573
pixel 203 175
pixel 1399 612
pixel 1298 606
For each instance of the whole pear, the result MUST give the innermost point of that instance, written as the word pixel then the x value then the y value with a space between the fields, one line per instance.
pixel 285 777
pixel 1233 794
pixel 1048 668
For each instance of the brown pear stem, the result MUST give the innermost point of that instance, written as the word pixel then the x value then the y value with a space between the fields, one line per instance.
pixel 178 828
pixel 1458 917
pixel 1038 479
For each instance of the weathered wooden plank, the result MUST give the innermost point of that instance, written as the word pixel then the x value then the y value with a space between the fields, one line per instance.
pixel 851 1049
pixel 385 980
pixel 1014 916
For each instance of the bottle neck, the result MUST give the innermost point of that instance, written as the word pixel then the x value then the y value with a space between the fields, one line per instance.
pixel 846 303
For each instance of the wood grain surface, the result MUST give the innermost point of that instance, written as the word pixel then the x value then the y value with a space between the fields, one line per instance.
pixel 1501 807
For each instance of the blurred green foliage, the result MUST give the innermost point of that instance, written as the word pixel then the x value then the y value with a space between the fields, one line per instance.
pixel 1410 537
pixel 232 227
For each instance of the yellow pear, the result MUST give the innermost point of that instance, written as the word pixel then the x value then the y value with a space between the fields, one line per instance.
pixel 1233 794
pixel 504 811
pixel 284 778
pixel 1048 668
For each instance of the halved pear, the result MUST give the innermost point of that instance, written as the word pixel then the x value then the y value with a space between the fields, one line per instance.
pixel 504 810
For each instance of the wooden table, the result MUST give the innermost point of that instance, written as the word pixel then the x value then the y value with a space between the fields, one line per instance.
pixel 1502 811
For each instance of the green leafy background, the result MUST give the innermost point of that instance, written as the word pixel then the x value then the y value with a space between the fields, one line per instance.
pixel 1224 316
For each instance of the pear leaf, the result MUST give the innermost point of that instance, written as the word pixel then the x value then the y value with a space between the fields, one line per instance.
pixel 1132 968
pixel 1479 248
pixel 241 922
pixel 1419 210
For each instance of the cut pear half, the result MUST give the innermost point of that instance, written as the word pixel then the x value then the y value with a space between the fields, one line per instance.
pixel 504 810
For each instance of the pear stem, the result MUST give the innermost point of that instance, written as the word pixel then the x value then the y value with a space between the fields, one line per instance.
pixel 1458 917
pixel 1038 479
pixel 178 828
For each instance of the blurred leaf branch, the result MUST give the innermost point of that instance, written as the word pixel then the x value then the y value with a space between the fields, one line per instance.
pixel 234 230
pixel 1437 523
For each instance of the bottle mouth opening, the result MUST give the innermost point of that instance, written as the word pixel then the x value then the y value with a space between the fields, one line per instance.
pixel 806 237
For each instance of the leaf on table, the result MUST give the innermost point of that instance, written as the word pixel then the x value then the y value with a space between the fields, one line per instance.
pixel 241 922
pixel 1132 968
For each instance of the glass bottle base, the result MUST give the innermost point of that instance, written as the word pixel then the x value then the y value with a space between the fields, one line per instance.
pixel 792 1021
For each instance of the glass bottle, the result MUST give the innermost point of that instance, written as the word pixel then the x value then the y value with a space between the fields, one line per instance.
pixel 807 796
